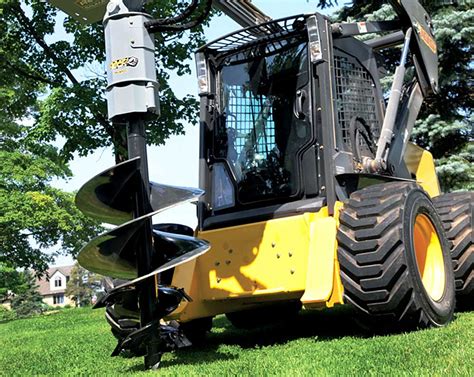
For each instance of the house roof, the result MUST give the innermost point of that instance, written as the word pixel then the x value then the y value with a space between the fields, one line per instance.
pixel 43 284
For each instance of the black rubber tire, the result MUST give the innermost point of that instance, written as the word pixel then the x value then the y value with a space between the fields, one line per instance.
pixel 196 329
pixel 377 258
pixel 256 317
pixel 457 214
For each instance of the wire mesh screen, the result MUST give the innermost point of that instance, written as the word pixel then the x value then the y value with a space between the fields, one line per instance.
pixel 355 93
pixel 277 34
pixel 251 118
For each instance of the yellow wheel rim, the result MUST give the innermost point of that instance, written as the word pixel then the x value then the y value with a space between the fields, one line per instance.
pixel 429 257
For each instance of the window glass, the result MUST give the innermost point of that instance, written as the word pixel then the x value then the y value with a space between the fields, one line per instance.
pixel 57 282
pixel 259 134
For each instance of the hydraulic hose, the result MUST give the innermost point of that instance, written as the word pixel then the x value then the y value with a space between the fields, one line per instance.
pixel 163 25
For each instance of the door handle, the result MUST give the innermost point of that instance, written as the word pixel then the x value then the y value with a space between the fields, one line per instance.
pixel 300 98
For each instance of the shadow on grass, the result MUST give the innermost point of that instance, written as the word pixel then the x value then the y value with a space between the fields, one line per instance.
pixel 321 325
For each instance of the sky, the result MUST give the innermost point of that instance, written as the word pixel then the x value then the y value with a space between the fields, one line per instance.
pixel 176 162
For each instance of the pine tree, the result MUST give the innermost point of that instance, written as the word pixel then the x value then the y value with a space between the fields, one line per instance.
pixel 26 300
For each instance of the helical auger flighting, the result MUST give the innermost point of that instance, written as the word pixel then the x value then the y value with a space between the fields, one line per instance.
pixel 108 197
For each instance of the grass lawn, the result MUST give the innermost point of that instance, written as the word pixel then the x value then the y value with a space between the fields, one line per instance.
pixel 78 341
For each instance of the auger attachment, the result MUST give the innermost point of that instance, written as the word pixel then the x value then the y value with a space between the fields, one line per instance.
pixel 110 197
pixel 123 194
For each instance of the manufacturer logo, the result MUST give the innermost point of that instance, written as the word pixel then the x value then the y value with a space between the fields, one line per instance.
pixel 130 61
pixel 426 37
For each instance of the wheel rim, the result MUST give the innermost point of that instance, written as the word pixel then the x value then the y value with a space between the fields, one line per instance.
pixel 429 257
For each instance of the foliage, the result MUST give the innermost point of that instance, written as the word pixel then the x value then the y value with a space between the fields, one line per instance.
pixel 34 215
pixel 318 343
pixel 10 280
pixel 82 285
pixel 26 300
pixel 446 123
pixel 6 314
pixel 20 289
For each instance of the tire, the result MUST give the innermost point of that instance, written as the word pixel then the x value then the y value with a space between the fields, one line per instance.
pixel 196 330
pixel 252 318
pixel 384 229
pixel 456 212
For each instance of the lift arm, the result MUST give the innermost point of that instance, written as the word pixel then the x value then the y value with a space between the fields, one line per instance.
pixel 243 12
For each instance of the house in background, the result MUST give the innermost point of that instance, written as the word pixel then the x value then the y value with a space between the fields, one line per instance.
pixel 53 286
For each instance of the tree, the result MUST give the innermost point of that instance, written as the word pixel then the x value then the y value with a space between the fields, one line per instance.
pixel 82 285
pixel 446 122
pixel 26 299
pixel 34 215
pixel 11 281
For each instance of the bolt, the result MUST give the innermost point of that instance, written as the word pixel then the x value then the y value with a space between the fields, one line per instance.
pixel 227 262
pixel 219 280
pixel 231 251
pixel 278 255
pixel 217 264
pixel 273 244
pixel 292 271
pixel 290 254
pixel 132 42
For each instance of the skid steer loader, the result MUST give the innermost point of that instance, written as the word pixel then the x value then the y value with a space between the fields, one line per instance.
pixel 311 194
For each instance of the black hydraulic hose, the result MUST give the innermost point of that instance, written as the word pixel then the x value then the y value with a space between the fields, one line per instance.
pixel 354 128
pixel 153 28
pixel 173 20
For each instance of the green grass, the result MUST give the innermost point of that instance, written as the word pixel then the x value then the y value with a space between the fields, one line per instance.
pixel 78 341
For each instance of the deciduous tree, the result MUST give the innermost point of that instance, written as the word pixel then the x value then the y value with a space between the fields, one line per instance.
pixel 35 216
pixel 83 285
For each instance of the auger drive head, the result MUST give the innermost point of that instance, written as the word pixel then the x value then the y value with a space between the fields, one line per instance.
pixel 311 194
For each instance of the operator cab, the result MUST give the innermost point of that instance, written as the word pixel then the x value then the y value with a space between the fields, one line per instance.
pixel 261 134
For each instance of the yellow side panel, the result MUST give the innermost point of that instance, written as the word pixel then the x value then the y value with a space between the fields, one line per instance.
pixel 260 262
pixel 420 163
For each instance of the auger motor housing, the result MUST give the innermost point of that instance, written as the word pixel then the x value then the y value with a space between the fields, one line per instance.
pixel 130 49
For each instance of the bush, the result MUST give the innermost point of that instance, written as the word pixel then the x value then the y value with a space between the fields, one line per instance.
pixel 6 314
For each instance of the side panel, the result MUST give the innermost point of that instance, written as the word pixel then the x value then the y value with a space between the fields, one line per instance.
pixel 260 263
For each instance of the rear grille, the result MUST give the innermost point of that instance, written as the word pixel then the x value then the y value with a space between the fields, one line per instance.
pixel 355 96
